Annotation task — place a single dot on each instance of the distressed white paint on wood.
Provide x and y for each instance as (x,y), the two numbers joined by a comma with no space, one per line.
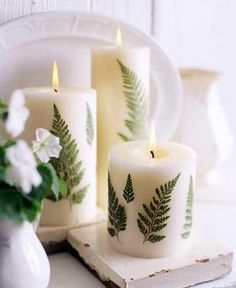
(155,25)
(203,261)
(11,9)
(135,12)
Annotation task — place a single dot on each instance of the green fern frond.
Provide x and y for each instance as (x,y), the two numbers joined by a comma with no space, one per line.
(3,109)
(89,126)
(66,165)
(154,218)
(78,196)
(188,212)
(135,95)
(128,193)
(116,212)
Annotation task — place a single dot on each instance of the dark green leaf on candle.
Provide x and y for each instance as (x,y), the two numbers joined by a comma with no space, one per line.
(116,212)
(155,215)
(111,231)
(89,126)
(68,168)
(136,102)
(188,212)
(128,193)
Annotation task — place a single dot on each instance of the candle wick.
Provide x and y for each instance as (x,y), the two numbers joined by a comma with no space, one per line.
(152,153)
(56,90)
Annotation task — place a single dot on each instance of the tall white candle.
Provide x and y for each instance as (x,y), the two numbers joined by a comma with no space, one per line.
(77,107)
(150,199)
(120,76)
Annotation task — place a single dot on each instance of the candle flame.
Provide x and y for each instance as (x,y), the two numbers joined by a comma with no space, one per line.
(153,144)
(118,37)
(55,78)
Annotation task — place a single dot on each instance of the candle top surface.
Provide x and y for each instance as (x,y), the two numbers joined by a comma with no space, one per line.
(120,48)
(43,91)
(137,154)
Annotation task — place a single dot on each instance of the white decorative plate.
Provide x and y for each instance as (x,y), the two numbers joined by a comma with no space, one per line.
(29,45)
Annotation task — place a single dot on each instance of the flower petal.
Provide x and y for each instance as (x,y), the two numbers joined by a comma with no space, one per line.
(22,170)
(36,178)
(42,155)
(54,151)
(42,134)
(17,99)
(53,140)
(17,114)
(36,145)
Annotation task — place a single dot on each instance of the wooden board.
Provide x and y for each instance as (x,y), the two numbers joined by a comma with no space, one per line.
(203,261)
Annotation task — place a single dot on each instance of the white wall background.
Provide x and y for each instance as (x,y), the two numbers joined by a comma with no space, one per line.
(202,33)
(198,33)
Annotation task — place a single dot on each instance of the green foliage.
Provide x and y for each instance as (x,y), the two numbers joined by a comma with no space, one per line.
(3,160)
(50,183)
(135,94)
(7,143)
(3,110)
(188,212)
(89,126)
(128,193)
(155,216)
(78,196)
(14,204)
(62,191)
(67,166)
(116,212)
(17,206)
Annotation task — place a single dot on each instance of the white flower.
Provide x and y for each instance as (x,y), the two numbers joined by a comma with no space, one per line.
(17,114)
(23,167)
(46,145)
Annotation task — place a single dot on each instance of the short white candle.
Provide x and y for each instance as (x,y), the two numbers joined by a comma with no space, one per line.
(137,225)
(74,104)
(115,121)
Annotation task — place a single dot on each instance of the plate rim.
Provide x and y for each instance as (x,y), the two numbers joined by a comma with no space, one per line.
(149,39)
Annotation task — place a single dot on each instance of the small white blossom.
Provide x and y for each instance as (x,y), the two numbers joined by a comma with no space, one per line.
(17,114)
(23,167)
(46,145)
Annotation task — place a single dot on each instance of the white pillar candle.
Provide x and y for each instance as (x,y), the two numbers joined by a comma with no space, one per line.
(120,76)
(150,199)
(77,107)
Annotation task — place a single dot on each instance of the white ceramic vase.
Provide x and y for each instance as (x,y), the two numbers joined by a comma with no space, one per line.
(203,126)
(23,261)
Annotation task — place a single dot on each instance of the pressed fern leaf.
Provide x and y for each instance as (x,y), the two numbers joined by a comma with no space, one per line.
(155,215)
(116,212)
(128,193)
(78,196)
(66,165)
(135,95)
(89,126)
(188,212)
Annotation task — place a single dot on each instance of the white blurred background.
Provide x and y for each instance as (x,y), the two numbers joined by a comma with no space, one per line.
(202,33)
